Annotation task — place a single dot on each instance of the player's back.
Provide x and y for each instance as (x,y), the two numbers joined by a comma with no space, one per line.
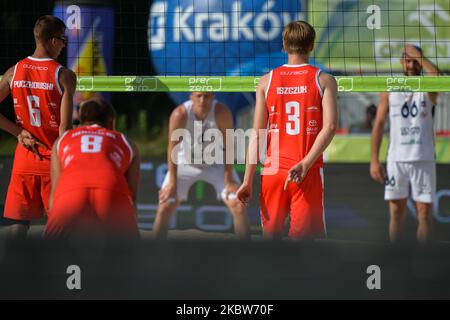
(37,99)
(294,106)
(94,157)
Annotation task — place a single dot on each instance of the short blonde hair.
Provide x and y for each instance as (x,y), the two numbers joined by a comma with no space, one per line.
(298,37)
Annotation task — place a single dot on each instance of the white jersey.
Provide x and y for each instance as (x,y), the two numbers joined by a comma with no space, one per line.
(411,127)
(192,153)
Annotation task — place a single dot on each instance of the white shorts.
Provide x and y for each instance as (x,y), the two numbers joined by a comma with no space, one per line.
(187,175)
(419,175)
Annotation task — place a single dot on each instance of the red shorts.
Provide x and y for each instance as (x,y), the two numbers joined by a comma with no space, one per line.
(29,188)
(304,204)
(91,211)
(28,196)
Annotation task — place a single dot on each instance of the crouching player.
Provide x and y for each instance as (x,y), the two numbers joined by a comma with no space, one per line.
(95,175)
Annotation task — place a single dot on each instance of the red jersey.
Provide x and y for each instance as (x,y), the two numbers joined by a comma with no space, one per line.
(37,99)
(294,106)
(94,157)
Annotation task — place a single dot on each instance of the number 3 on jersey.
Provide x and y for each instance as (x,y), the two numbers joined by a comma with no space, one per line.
(293,112)
(91,144)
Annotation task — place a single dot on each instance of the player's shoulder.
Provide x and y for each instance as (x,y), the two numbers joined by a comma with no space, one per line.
(8,75)
(222,109)
(66,74)
(130,143)
(179,113)
(264,81)
(327,81)
(326,78)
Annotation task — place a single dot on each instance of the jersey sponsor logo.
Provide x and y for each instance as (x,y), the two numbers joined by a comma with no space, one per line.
(293,73)
(406,131)
(273,128)
(53,123)
(273,112)
(312,130)
(33,85)
(98,133)
(292,90)
(313,123)
(116,158)
(68,160)
(39,68)
(312,109)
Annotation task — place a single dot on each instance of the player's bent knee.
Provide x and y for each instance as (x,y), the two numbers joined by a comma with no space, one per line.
(236,206)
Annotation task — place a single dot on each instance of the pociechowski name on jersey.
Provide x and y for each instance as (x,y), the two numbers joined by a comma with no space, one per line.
(292,90)
(33,85)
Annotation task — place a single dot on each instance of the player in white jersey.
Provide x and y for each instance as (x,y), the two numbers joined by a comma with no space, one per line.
(191,120)
(411,157)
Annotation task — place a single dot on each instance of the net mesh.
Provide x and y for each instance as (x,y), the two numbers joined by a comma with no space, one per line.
(218,45)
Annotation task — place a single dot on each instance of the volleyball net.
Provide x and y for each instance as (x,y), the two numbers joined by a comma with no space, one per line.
(225,46)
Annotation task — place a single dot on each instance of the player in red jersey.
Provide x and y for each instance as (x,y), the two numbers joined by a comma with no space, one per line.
(42,92)
(95,175)
(297,103)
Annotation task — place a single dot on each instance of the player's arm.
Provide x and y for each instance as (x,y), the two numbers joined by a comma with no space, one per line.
(376,169)
(5,90)
(55,171)
(133,174)
(429,67)
(24,137)
(432,70)
(326,134)
(224,120)
(177,121)
(68,83)
(259,122)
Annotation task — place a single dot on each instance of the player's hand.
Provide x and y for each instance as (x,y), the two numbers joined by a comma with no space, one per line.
(377,172)
(168,194)
(296,174)
(245,193)
(31,143)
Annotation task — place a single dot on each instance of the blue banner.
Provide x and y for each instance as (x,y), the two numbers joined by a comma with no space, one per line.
(90,31)
(216,37)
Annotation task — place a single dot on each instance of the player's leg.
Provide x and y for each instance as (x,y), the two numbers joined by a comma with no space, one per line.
(274,204)
(423,189)
(307,212)
(397,221)
(23,203)
(116,213)
(396,192)
(425,220)
(214,175)
(163,216)
(71,215)
(241,222)
(186,176)
(18,229)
